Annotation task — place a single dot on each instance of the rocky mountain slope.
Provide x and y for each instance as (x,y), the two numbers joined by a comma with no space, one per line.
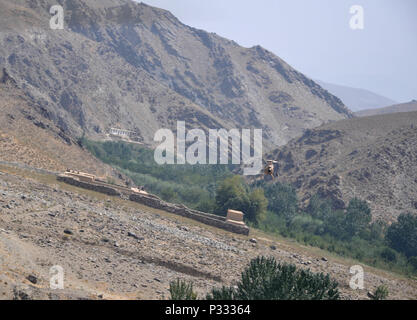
(402,107)
(110,248)
(28,138)
(372,158)
(357,99)
(124,64)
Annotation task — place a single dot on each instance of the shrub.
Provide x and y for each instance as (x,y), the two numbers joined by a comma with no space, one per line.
(319,208)
(265,279)
(358,217)
(413,262)
(232,194)
(389,255)
(402,235)
(282,200)
(181,290)
(334,224)
(381,293)
(257,206)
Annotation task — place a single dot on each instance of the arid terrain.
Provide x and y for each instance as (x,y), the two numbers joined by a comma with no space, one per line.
(126,64)
(123,64)
(115,249)
(372,158)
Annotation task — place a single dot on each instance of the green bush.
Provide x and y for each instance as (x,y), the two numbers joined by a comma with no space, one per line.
(181,290)
(233,194)
(389,255)
(282,199)
(402,235)
(257,206)
(413,262)
(319,208)
(381,293)
(358,217)
(265,279)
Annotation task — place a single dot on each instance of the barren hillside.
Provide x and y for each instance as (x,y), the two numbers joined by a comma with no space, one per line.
(28,138)
(372,158)
(125,64)
(115,249)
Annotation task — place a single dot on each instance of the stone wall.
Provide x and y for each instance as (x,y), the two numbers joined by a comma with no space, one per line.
(206,218)
(157,203)
(90,186)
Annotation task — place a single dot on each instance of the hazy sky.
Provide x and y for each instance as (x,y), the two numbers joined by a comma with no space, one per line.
(315,37)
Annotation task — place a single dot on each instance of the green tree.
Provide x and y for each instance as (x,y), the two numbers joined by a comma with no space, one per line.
(334,224)
(231,194)
(389,255)
(402,235)
(358,217)
(257,207)
(265,279)
(282,200)
(319,208)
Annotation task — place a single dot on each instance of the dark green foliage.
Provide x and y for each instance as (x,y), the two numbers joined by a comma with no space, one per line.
(214,189)
(233,194)
(224,293)
(358,217)
(265,279)
(402,235)
(319,208)
(181,290)
(377,231)
(413,262)
(381,293)
(282,199)
(257,206)
(194,186)
(323,227)
(389,255)
(334,224)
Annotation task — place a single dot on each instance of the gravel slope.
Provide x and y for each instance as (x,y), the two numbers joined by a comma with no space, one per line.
(114,249)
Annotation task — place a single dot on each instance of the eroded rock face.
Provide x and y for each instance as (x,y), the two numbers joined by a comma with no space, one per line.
(374,159)
(125,63)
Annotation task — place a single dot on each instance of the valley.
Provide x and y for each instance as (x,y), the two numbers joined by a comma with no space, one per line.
(109,93)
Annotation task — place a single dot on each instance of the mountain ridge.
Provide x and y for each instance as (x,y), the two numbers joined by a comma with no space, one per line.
(402,107)
(355,98)
(371,158)
(138,67)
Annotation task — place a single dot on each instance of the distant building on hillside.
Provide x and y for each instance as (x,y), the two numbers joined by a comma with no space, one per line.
(122,133)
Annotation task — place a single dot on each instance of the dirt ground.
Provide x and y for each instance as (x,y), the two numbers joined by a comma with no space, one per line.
(111,248)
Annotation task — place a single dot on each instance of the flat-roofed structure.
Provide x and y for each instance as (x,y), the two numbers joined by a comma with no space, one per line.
(81,176)
(121,133)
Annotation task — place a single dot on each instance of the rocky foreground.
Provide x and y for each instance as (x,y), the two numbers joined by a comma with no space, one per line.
(115,249)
